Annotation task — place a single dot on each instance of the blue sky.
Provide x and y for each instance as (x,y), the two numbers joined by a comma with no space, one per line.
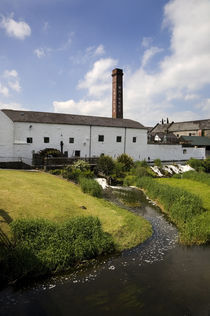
(57,56)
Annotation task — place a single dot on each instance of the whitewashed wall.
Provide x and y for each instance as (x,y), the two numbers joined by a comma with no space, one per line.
(6,137)
(85,139)
(173,152)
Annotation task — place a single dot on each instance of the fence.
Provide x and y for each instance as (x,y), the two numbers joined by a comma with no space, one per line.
(58,162)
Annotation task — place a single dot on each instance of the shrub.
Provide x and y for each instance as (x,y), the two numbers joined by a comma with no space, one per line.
(158,163)
(129,180)
(141,172)
(206,165)
(127,162)
(52,152)
(75,171)
(105,165)
(195,163)
(177,176)
(118,169)
(56,171)
(81,165)
(43,247)
(141,163)
(91,187)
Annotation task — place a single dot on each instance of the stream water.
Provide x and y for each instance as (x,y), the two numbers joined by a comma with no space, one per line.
(159,277)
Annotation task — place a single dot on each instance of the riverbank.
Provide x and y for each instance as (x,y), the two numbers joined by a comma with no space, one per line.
(37,195)
(186,203)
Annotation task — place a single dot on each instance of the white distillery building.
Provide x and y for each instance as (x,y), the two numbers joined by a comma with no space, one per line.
(23,133)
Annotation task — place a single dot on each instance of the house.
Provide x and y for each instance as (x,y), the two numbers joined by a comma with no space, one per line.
(187,128)
(23,133)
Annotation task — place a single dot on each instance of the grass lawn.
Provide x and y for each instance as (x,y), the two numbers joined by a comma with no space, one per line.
(26,194)
(195,187)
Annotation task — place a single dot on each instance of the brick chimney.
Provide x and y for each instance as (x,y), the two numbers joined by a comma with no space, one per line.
(117,93)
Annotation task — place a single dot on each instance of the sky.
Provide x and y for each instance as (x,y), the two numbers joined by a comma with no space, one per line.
(58,55)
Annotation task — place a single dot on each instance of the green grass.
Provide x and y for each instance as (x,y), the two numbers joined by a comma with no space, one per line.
(198,229)
(34,195)
(200,189)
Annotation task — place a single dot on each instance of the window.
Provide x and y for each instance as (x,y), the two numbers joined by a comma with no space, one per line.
(100,138)
(71,140)
(77,153)
(118,139)
(184,151)
(134,139)
(46,139)
(29,140)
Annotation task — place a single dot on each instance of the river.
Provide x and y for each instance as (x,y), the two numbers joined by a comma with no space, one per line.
(159,277)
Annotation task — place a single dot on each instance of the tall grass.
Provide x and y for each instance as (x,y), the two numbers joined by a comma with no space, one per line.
(43,247)
(197,176)
(90,186)
(183,208)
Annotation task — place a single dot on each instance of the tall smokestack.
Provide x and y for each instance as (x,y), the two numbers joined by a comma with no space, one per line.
(117,93)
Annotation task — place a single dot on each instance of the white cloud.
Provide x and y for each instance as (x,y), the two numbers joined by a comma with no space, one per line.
(39,52)
(90,54)
(149,53)
(83,107)
(4,90)
(146,42)
(15,29)
(99,50)
(97,80)
(15,85)
(10,73)
(10,81)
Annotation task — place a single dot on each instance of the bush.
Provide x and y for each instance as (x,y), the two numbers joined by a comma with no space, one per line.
(129,180)
(141,163)
(158,163)
(195,163)
(91,187)
(56,172)
(126,161)
(42,247)
(105,165)
(140,172)
(177,176)
(81,165)
(50,152)
(75,171)
(206,165)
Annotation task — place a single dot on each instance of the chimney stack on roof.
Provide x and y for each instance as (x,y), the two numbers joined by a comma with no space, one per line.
(117,93)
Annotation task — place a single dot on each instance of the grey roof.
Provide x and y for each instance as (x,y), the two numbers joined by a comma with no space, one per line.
(160,128)
(69,119)
(190,125)
(197,140)
(182,126)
